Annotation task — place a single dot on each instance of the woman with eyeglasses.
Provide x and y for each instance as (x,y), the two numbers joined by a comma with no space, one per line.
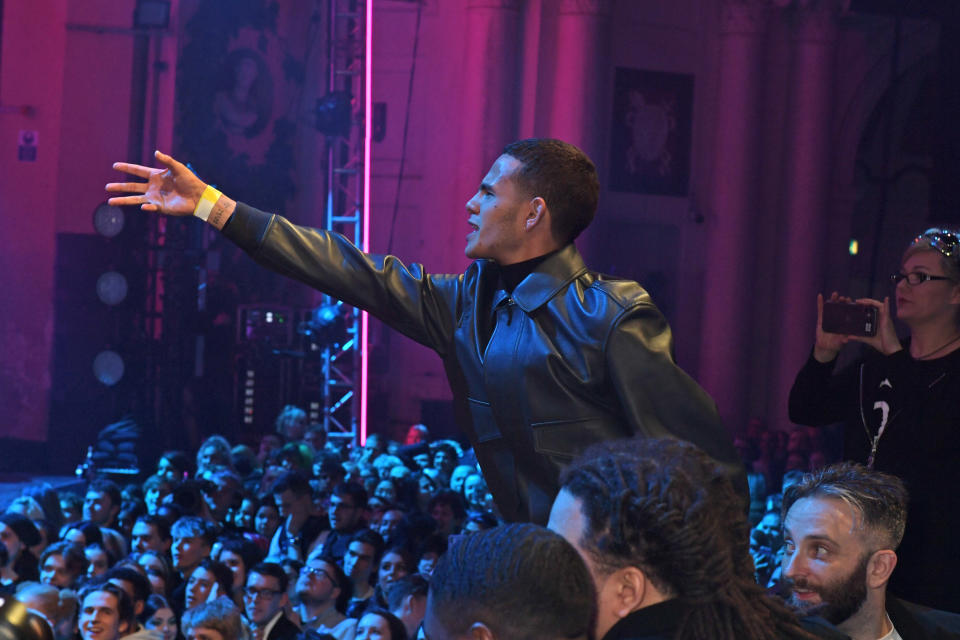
(900,406)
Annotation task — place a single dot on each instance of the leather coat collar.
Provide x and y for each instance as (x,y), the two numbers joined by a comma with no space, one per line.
(547,279)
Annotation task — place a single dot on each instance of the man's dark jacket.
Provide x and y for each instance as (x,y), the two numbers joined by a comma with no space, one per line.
(284,629)
(570,358)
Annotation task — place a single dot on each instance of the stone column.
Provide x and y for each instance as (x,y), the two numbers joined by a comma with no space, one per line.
(491,76)
(724,369)
(806,188)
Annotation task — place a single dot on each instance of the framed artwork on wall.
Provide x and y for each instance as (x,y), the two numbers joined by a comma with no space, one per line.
(652,128)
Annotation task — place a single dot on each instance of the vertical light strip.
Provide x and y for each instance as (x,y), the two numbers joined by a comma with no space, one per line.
(367,144)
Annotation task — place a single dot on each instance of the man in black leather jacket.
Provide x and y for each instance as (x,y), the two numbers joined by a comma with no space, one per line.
(544,356)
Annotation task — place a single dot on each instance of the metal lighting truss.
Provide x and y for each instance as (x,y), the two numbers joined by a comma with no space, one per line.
(343,363)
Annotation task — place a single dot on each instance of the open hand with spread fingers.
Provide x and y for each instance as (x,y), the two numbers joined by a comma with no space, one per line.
(173,189)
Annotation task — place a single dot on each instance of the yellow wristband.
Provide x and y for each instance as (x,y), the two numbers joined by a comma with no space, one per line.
(207,200)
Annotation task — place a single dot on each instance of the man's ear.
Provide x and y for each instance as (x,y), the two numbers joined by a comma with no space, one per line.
(480,631)
(628,591)
(879,568)
(538,213)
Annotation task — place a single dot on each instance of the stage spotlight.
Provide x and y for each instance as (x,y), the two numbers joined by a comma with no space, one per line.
(108,367)
(326,325)
(108,220)
(111,288)
(333,114)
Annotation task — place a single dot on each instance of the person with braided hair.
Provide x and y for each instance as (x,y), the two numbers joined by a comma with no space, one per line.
(666,538)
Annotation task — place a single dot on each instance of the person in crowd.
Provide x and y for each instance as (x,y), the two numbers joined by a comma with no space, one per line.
(359,563)
(151,532)
(406,598)
(214,452)
(62,565)
(218,619)
(82,533)
(899,403)
(155,489)
(192,542)
(245,515)
(265,597)
(222,492)
(324,591)
(316,437)
(291,423)
(17,535)
(527,279)
(158,570)
(106,612)
(136,586)
(71,506)
(102,503)
(513,581)
(380,624)
(665,536)
(267,519)
(209,579)
(347,504)
(459,476)
(99,559)
(299,531)
(175,466)
(391,524)
(58,606)
(842,526)
(238,554)
(159,616)
(447,509)
(395,563)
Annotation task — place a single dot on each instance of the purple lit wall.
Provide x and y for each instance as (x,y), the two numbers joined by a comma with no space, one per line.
(782,98)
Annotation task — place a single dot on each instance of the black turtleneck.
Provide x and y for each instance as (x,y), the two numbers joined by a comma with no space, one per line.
(513,274)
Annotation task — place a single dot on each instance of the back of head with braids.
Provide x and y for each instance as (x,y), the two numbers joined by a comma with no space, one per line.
(665,507)
(522,581)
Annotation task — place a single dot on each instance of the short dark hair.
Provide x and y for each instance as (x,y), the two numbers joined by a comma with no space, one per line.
(248,550)
(564,177)
(450,498)
(372,538)
(294,481)
(273,570)
(397,629)
(161,524)
(521,580)
(221,572)
(154,603)
(180,460)
(342,581)
(73,558)
(139,582)
(354,490)
(879,500)
(102,485)
(665,507)
(395,592)
(124,603)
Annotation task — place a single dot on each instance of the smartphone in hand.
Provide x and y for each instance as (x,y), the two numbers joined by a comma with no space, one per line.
(849,319)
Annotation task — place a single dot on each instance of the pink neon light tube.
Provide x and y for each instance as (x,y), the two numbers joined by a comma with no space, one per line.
(367,144)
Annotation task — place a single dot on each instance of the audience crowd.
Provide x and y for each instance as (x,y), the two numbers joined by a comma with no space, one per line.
(310,538)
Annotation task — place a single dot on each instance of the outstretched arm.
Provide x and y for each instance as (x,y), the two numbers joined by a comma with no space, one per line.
(173,189)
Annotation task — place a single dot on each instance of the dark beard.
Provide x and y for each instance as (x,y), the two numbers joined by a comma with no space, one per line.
(840,599)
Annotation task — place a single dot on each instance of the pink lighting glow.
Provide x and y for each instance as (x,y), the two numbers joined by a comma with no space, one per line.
(367,143)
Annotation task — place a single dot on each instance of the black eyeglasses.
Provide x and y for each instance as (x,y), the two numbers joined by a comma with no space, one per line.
(253,594)
(943,240)
(914,278)
(317,572)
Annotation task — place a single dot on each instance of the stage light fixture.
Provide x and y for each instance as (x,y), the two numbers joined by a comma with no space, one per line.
(333,114)
(108,220)
(108,367)
(111,288)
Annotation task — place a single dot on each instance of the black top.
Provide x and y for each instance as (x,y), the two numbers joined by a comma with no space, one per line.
(916,403)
